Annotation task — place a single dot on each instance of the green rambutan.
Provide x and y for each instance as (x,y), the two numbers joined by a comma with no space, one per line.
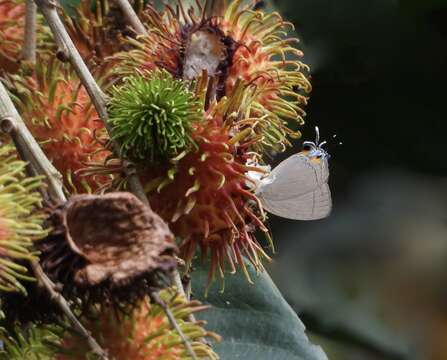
(20,221)
(58,112)
(31,342)
(146,334)
(152,116)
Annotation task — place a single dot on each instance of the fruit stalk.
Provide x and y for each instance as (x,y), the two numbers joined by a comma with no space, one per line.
(159,301)
(131,17)
(29,46)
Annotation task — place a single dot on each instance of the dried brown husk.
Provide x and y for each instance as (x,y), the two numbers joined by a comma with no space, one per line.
(106,248)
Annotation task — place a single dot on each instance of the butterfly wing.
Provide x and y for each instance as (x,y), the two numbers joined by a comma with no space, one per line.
(298,189)
(313,205)
(295,176)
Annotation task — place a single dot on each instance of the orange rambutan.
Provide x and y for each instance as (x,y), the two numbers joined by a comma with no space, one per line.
(261,58)
(57,110)
(146,334)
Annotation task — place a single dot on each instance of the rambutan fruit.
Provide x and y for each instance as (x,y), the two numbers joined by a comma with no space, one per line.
(185,49)
(261,58)
(146,334)
(20,220)
(203,195)
(106,249)
(58,112)
(32,342)
(152,116)
(243,45)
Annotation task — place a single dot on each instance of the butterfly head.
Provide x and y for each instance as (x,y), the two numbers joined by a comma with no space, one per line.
(314,150)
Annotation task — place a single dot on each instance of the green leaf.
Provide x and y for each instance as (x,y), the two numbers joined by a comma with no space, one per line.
(255,321)
(70,6)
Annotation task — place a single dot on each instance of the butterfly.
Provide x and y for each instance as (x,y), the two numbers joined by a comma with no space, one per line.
(298,187)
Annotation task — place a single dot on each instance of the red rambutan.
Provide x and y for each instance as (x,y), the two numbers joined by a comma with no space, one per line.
(203,195)
(162,47)
(12,31)
(58,112)
(261,56)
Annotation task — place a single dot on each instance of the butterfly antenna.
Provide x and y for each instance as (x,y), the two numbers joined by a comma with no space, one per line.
(317,135)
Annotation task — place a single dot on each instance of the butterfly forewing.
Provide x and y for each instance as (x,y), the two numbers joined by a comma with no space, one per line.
(294,177)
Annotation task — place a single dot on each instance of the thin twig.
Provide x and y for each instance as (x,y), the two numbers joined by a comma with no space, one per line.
(29,150)
(29,46)
(45,281)
(159,301)
(131,17)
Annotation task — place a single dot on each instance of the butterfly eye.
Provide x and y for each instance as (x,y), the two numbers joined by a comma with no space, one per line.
(307,147)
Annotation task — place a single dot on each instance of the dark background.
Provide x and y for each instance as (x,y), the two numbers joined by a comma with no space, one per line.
(369,282)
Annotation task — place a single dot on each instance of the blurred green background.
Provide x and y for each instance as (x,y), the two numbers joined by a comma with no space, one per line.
(368,282)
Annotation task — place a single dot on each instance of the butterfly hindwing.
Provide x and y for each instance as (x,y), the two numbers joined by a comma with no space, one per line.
(313,205)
